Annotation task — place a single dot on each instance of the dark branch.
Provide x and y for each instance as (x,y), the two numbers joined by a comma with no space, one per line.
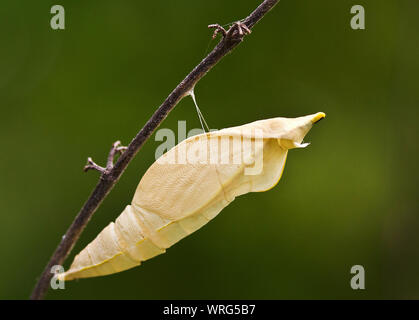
(111,174)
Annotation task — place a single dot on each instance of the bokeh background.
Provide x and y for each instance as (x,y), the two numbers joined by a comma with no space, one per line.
(350,198)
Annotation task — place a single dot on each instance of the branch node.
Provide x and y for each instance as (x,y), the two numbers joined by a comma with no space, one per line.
(237,31)
(116,149)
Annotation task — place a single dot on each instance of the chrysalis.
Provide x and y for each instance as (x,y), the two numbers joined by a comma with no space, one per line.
(187,187)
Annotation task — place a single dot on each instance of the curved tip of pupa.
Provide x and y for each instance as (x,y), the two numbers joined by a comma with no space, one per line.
(317,117)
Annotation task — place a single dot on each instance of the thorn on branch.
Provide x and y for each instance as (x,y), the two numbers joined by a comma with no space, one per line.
(116,149)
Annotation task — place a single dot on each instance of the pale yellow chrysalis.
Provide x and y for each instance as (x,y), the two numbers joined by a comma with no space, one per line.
(187,187)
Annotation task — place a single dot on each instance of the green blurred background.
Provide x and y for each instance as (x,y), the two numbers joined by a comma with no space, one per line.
(350,198)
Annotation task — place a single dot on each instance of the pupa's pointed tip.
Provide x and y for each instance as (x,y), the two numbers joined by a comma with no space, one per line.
(318,116)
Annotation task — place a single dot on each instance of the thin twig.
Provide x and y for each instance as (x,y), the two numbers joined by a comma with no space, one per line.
(91,165)
(116,148)
(111,174)
(218,29)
